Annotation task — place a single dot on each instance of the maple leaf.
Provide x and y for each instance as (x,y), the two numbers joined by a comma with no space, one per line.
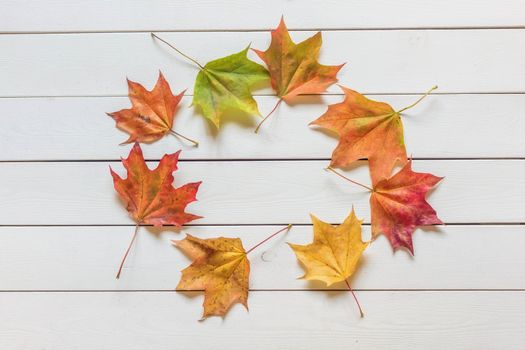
(334,253)
(149,195)
(293,68)
(221,268)
(224,85)
(366,129)
(398,205)
(152,112)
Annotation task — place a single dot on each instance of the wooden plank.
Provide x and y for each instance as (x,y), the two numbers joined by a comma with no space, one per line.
(78,128)
(398,61)
(277,320)
(99,15)
(86,258)
(268,192)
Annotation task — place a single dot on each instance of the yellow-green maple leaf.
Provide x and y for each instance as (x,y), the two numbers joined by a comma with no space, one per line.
(225,85)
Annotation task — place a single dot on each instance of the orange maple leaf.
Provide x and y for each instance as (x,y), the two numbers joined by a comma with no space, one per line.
(398,205)
(152,112)
(293,68)
(366,129)
(149,195)
(221,268)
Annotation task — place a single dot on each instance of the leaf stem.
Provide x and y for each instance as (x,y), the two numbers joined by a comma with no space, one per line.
(268,115)
(268,238)
(127,250)
(174,48)
(173,132)
(346,178)
(355,298)
(419,100)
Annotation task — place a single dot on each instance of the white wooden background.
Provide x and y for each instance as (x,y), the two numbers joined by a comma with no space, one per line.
(63,230)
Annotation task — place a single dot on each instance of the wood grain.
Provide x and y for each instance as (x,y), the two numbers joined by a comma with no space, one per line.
(277,320)
(99,15)
(401,61)
(255,192)
(86,258)
(76,128)
(63,65)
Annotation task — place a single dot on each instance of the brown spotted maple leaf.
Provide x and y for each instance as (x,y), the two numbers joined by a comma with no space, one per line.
(221,268)
(152,112)
(149,195)
(293,68)
(366,129)
(398,205)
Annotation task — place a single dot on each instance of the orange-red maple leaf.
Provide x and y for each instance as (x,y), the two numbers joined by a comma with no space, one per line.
(366,129)
(293,68)
(398,206)
(152,112)
(149,195)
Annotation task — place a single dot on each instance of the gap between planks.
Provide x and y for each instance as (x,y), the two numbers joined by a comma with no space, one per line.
(291,29)
(255,225)
(269,95)
(245,160)
(313,290)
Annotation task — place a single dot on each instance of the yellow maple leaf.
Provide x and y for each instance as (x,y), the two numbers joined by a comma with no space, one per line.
(334,253)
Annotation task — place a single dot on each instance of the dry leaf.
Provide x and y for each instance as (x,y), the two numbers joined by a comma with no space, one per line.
(152,112)
(398,206)
(149,195)
(366,129)
(293,68)
(335,251)
(220,267)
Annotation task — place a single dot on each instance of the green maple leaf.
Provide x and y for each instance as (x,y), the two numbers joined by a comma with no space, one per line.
(225,85)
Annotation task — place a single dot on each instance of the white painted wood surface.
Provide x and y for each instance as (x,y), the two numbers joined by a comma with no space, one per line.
(433,130)
(101,15)
(396,61)
(262,192)
(277,320)
(86,258)
(63,230)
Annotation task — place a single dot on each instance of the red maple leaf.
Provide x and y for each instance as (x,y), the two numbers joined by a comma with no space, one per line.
(149,195)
